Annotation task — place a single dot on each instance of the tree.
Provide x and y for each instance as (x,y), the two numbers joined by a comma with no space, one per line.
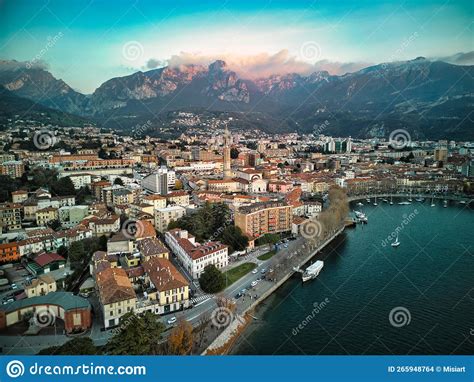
(54,224)
(118,181)
(136,335)
(76,346)
(234,153)
(63,187)
(77,254)
(178,185)
(212,280)
(233,237)
(62,251)
(181,338)
(203,323)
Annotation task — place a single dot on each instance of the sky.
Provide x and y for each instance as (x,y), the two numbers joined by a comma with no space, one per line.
(87,42)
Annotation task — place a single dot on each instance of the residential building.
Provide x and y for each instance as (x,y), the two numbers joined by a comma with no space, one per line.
(46,215)
(193,256)
(165,216)
(9,252)
(160,182)
(40,286)
(165,285)
(116,295)
(10,216)
(262,218)
(13,169)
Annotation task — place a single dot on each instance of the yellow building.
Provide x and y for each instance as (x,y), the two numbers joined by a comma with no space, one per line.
(116,294)
(41,286)
(169,288)
(46,215)
(262,218)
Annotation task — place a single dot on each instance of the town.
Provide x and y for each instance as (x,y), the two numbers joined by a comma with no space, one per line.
(104,234)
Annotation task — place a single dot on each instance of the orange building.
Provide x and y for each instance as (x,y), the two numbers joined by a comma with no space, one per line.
(9,252)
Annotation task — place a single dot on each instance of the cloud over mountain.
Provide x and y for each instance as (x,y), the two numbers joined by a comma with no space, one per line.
(263,64)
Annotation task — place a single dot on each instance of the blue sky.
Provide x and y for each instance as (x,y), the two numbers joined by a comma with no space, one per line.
(86,42)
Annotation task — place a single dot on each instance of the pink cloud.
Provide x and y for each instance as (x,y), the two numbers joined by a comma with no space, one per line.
(265,64)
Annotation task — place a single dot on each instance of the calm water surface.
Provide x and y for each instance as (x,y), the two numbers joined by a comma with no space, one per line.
(427,282)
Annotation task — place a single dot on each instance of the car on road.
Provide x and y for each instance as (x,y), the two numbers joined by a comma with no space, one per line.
(263,271)
(14,286)
(238,295)
(171,320)
(254,283)
(243,291)
(286,245)
(255,271)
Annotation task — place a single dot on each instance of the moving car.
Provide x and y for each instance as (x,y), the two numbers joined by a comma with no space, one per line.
(171,320)
(254,283)
(255,271)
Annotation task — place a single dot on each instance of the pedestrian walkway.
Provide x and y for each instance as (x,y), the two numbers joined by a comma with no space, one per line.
(201,298)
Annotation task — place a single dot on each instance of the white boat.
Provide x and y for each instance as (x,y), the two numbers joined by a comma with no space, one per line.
(462,202)
(432,202)
(396,243)
(359,204)
(391,200)
(360,216)
(367,200)
(404,203)
(313,270)
(445,204)
(375,201)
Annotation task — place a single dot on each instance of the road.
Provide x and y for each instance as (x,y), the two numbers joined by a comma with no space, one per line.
(33,344)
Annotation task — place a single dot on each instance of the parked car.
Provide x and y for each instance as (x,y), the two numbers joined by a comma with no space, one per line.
(254,283)
(171,320)
(238,295)
(263,271)
(255,271)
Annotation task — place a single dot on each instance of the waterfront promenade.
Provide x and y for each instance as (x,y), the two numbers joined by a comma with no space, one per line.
(458,198)
(284,269)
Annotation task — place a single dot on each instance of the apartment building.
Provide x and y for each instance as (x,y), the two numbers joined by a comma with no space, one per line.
(10,216)
(13,169)
(46,215)
(261,218)
(165,216)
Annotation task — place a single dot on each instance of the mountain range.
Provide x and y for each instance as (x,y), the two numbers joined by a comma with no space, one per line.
(431,99)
